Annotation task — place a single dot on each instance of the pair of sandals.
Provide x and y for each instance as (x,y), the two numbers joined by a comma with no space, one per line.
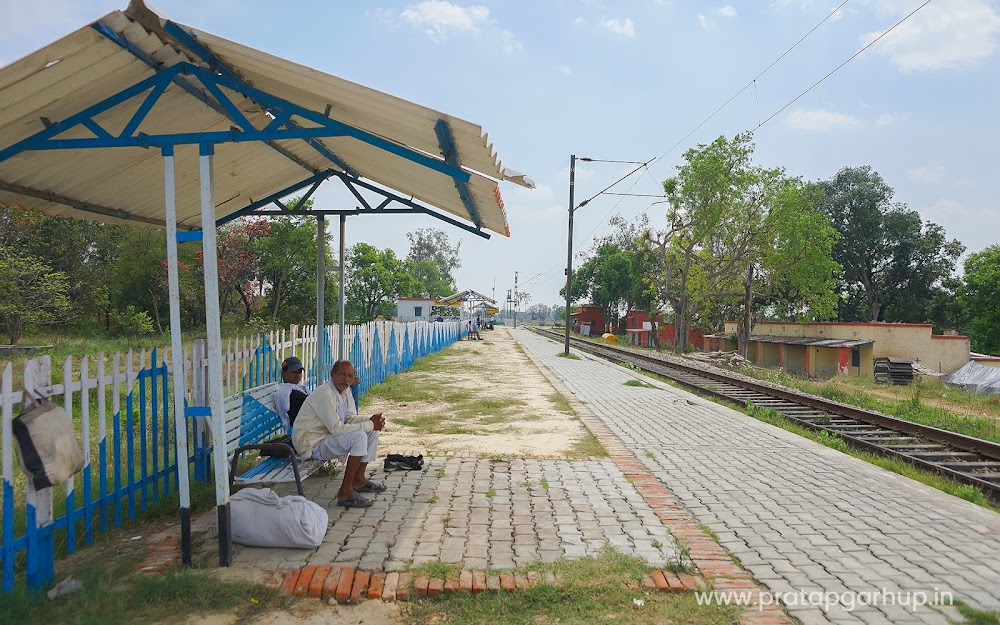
(356,500)
(394,462)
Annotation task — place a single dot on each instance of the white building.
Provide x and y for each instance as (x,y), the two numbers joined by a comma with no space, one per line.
(414,308)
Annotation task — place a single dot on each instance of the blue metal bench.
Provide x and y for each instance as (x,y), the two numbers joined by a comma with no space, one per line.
(252,424)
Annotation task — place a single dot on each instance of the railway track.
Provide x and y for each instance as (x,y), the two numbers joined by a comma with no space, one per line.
(964,458)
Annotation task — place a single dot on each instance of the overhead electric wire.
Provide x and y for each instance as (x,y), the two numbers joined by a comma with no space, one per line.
(753,82)
(646,164)
(836,69)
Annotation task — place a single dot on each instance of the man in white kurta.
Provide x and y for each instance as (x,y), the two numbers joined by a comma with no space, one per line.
(328,426)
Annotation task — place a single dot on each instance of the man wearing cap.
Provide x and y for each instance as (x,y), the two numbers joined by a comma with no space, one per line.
(328,427)
(291,380)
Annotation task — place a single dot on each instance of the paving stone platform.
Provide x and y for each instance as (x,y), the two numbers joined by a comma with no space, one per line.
(480,513)
(800,517)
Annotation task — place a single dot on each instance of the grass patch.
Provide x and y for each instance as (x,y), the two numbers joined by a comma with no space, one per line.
(571,355)
(974,616)
(586,446)
(639,383)
(436,570)
(544,483)
(708,530)
(680,561)
(113,595)
(593,590)
(952,487)
(491,492)
(489,407)
(561,403)
(434,424)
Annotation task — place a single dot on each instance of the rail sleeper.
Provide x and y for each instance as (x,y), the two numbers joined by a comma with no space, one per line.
(252,424)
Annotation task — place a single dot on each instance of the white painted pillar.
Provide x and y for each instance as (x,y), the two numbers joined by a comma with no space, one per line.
(177,354)
(213,330)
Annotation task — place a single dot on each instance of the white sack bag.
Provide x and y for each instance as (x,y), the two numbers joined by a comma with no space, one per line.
(260,518)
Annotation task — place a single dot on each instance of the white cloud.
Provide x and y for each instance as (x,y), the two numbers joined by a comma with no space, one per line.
(947,209)
(510,42)
(727,10)
(564,69)
(926,173)
(945,34)
(887,119)
(438,17)
(703,21)
(625,28)
(578,21)
(820,120)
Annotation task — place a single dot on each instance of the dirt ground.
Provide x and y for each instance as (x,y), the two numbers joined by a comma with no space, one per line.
(493,369)
(311,612)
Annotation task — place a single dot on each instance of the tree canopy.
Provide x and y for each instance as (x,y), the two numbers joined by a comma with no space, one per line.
(893,262)
(433,260)
(980,298)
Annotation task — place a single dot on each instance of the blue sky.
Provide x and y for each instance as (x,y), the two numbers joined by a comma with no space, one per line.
(629,80)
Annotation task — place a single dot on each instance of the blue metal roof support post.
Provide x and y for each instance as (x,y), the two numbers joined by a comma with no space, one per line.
(214,334)
(447,142)
(177,354)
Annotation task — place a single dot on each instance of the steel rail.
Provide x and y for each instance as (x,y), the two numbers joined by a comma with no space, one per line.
(966,459)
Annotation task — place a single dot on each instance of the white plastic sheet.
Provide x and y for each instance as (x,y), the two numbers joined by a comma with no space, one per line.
(976,378)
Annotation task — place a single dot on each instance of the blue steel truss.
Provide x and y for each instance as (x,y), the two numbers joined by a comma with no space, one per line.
(244,131)
(281,127)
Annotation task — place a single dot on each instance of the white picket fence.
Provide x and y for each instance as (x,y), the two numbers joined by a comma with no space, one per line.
(123,408)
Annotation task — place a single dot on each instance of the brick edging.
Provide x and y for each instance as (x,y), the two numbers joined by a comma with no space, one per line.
(711,560)
(348,585)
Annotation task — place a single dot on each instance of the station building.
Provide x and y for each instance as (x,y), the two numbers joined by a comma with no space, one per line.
(588,321)
(826,349)
(639,327)
(414,308)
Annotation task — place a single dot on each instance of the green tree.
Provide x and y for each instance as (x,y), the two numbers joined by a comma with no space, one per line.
(706,242)
(433,261)
(376,278)
(789,268)
(980,299)
(86,252)
(893,263)
(288,270)
(30,293)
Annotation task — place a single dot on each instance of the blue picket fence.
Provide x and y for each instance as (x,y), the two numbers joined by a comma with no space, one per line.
(129,447)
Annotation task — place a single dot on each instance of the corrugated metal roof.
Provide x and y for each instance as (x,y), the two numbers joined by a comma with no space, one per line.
(126,183)
(810,341)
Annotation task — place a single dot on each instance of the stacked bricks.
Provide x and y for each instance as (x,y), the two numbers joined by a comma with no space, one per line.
(347,585)
(161,556)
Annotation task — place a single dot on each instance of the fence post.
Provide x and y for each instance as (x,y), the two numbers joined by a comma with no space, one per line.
(199,397)
(41,543)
